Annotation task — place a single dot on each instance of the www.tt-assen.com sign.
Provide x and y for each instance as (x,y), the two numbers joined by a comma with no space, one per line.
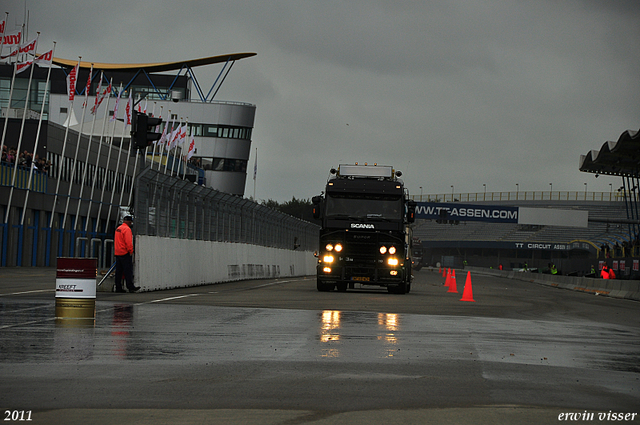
(467,212)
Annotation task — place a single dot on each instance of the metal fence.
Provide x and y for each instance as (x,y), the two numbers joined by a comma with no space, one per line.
(168,207)
(613,196)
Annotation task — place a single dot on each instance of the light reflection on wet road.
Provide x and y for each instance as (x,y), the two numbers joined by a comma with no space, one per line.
(192,334)
(191,356)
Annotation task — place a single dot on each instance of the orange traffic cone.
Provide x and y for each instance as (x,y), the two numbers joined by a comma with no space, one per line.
(444,274)
(467,295)
(446,281)
(452,282)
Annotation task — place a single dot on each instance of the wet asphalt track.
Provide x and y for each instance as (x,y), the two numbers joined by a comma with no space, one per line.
(278,351)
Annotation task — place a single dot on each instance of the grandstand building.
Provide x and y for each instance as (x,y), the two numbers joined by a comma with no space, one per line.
(86,169)
(486,244)
(611,235)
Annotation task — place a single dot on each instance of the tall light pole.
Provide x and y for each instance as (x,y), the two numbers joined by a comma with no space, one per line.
(420,193)
(517,191)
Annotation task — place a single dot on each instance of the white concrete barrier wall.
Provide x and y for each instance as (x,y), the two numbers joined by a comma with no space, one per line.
(164,263)
(617,288)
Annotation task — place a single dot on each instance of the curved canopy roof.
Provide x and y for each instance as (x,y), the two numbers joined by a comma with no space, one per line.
(621,158)
(154,67)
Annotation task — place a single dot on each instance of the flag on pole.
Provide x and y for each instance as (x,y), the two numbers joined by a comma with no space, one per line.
(192,148)
(163,136)
(174,137)
(28,47)
(128,111)
(100,95)
(71,82)
(115,107)
(45,58)
(22,66)
(12,39)
(255,166)
(183,135)
(88,88)
(22,49)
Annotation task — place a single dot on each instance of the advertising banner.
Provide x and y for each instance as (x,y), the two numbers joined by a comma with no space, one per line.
(466,212)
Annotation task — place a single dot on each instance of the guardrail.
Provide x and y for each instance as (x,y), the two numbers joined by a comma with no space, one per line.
(522,196)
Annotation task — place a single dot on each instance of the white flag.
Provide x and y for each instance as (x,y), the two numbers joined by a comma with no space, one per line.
(115,107)
(45,58)
(174,136)
(192,148)
(12,39)
(128,111)
(183,135)
(71,82)
(22,66)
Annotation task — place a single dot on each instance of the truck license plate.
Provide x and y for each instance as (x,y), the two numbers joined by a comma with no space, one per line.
(361,278)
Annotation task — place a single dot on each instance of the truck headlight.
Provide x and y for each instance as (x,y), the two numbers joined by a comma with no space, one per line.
(338,247)
(329,247)
(383,250)
(392,261)
(392,250)
(329,259)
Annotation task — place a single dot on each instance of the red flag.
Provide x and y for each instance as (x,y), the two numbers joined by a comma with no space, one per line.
(71,82)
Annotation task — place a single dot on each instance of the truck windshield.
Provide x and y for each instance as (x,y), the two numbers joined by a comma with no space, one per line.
(365,207)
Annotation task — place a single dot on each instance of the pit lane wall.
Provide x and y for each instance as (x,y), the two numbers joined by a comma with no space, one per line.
(626,289)
(165,263)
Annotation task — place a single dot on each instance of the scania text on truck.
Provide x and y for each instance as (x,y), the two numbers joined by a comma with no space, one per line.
(365,238)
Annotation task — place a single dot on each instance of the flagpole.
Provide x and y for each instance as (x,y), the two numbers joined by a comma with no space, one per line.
(6,119)
(35,148)
(75,157)
(110,143)
(24,117)
(4,30)
(86,158)
(95,171)
(183,155)
(168,147)
(162,146)
(115,180)
(126,167)
(255,173)
(60,165)
(155,142)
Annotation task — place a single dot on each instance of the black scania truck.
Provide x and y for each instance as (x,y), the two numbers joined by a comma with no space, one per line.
(365,237)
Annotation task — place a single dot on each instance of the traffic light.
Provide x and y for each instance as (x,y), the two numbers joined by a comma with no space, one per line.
(143,129)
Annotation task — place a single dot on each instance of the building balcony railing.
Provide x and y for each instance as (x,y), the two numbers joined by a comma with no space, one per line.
(38,181)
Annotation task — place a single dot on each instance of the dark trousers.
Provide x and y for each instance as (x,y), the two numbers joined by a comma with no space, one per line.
(124,266)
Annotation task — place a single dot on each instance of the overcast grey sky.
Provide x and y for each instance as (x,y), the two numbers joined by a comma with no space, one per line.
(453,93)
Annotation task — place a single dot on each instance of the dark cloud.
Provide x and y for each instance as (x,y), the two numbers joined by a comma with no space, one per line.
(459,93)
